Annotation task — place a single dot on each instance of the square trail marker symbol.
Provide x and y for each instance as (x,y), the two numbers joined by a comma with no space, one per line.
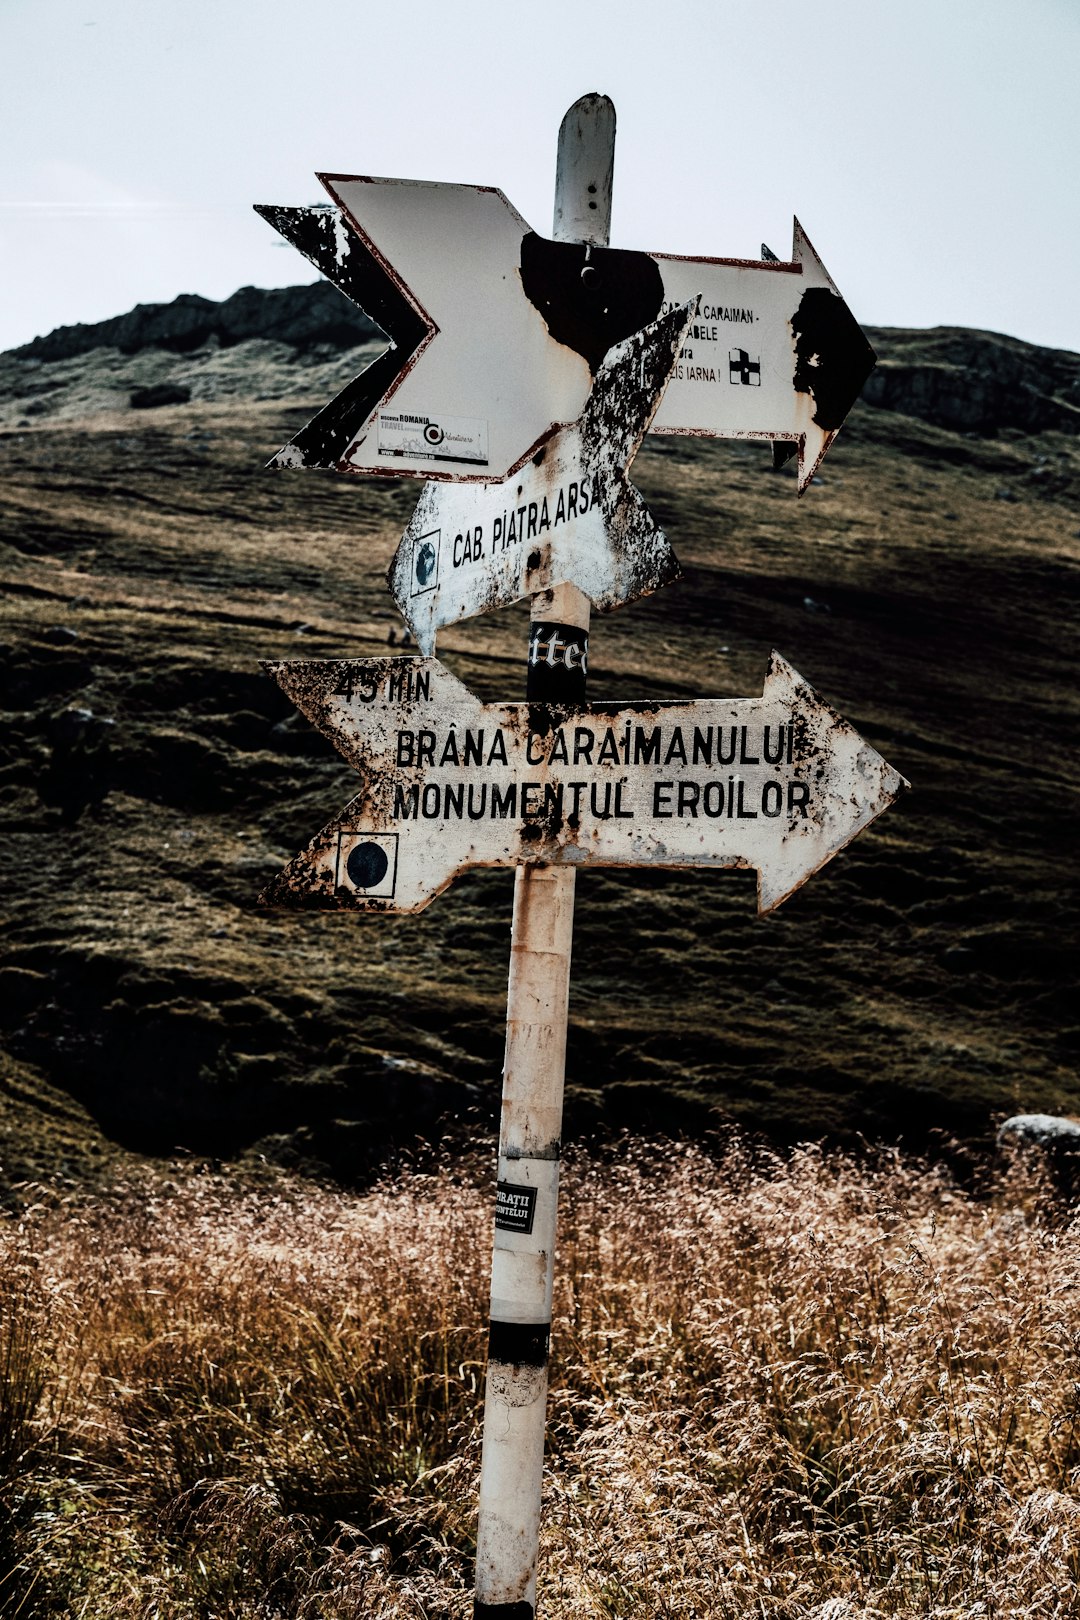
(367,863)
(425,562)
(744,368)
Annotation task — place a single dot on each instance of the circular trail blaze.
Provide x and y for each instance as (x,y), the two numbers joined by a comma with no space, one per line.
(367,865)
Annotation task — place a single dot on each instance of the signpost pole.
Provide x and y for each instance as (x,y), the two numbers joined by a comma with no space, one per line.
(530,1136)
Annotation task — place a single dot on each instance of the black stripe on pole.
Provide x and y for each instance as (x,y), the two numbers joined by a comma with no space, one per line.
(503,1611)
(519,1344)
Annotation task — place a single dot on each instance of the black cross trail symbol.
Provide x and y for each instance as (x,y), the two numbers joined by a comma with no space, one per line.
(741,369)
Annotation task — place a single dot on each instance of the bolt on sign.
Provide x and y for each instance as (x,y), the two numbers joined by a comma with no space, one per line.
(568,515)
(496,334)
(779,783)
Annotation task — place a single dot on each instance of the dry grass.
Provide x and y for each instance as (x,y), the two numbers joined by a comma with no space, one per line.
(813,1388)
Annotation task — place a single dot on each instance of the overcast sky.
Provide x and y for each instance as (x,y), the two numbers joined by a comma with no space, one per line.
(929,147)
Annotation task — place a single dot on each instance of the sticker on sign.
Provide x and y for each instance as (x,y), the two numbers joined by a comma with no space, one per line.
(515,1207)
(443,438)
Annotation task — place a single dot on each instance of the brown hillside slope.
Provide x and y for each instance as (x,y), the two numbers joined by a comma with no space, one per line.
(152,778)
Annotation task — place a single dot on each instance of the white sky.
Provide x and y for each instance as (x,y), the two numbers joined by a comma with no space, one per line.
(929,147)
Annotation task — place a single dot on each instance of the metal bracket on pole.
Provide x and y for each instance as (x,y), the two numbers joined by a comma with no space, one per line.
(530,1138)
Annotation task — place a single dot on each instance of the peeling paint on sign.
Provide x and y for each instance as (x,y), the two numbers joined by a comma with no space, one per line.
(779,783)
(569,514)
(823,325)
(325,236)
(500,326)
(590,297)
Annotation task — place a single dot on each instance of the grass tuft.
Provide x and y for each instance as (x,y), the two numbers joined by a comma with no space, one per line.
(815,1386)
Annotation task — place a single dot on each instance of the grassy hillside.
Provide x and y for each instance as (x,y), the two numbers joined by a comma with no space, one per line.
(785,1384)
(152,778)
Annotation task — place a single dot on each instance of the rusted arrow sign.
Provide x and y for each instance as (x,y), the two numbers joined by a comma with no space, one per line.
(324,236)
(570,514)
(498,333)
(780,783)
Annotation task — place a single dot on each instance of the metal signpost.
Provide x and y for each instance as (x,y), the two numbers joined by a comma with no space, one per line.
(528,370)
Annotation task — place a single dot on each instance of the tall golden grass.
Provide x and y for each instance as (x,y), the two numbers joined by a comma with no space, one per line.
(812,1387)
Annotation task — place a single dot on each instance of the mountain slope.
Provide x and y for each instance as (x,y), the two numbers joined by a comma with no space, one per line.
(152,778)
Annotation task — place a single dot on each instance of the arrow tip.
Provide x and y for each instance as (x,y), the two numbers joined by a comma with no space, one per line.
(857,785)
(833,358)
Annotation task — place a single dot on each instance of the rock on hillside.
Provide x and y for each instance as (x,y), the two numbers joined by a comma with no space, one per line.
(256,345)
(975,382)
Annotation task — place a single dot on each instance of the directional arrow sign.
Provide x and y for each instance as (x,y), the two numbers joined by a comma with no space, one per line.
(569,514)
(735,377)
(499,332)
(780,783)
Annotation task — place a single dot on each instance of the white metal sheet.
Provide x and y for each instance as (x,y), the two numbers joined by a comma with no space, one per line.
(502,332)
(490,357)
(779,783)
(735,376)
(569,514)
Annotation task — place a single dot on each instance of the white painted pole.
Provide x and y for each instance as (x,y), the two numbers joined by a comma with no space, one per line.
(530,1138)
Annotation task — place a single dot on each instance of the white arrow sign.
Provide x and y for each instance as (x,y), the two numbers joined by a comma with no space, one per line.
(500,331)
(780,783)
(569,514)
(735,378)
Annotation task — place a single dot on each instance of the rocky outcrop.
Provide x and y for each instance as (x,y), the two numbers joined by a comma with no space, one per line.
(974,382)
(300,316)
(147,399)
(1043,1130)
(1052,1141)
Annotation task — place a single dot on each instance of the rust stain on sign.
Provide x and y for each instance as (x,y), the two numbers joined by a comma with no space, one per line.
(570,514)
(780,783)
